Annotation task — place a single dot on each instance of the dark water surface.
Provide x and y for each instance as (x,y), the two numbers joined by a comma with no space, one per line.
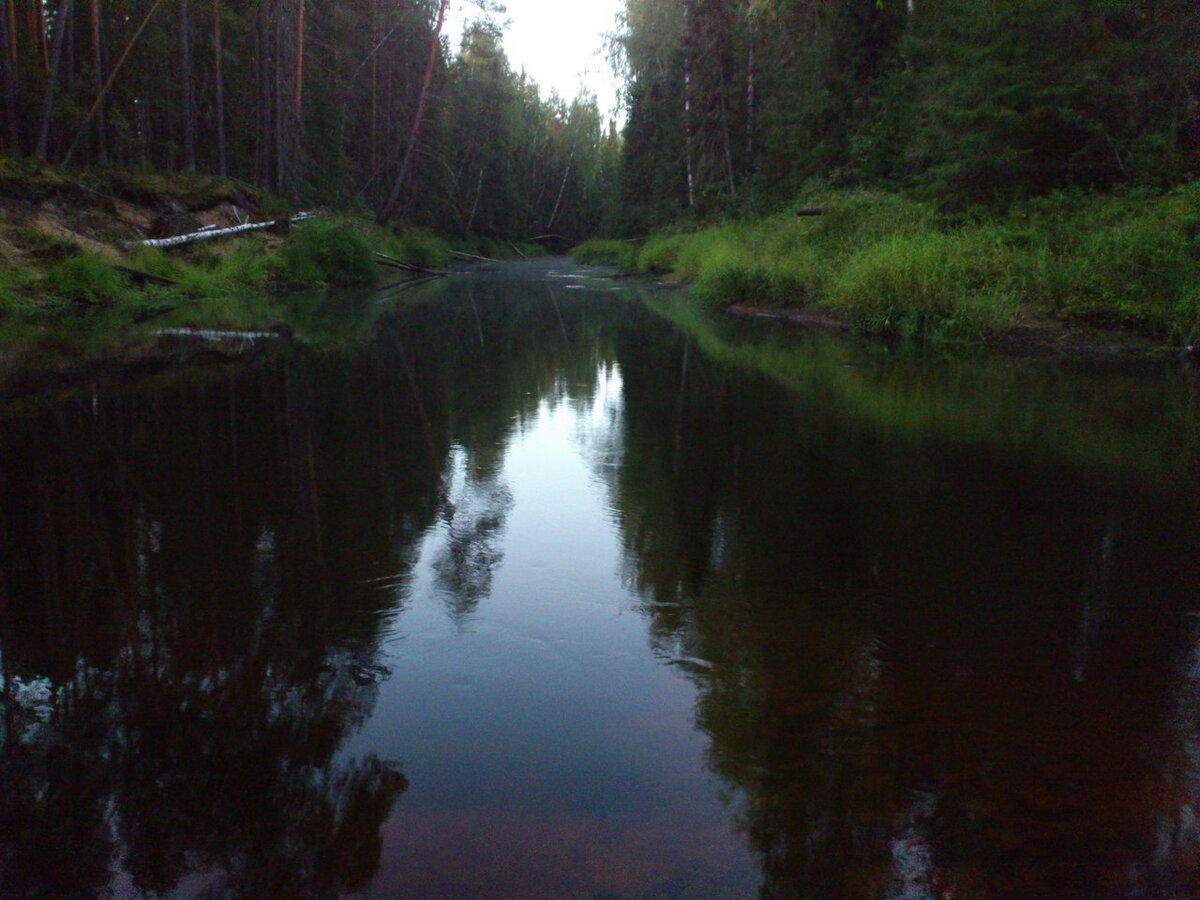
(534,585)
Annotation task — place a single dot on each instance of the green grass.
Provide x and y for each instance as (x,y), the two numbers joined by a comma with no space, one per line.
(85,279)
(621,254)
(892,265)
(328,251)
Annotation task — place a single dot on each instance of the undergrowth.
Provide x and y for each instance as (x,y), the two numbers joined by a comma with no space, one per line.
(893,265)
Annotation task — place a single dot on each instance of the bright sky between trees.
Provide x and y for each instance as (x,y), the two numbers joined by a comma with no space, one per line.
(560,43)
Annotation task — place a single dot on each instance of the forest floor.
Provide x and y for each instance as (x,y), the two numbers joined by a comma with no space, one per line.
(1074,272)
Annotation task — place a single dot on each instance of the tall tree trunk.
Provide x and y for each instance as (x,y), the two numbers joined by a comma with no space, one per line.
(219,84)
(750,101)
(40,8)
(98,74)
(189,104)
(386,211)
(374,86)
(264,170)
(562,189)
(687,108)
(475,205)
(280,100)
(142,122)
(60,34)
(10,8)
(8,77)
(298,96)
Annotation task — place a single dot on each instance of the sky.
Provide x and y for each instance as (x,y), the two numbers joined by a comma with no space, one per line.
(560,43)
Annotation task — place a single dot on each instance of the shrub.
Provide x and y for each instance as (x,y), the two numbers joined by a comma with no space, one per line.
(328,252)
(621,254)
(88,278)
(423,248)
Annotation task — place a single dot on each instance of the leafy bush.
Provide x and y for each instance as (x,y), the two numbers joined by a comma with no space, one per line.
(327,252)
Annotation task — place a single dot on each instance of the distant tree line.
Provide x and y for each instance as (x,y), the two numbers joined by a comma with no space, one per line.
(359,102)
(736,104)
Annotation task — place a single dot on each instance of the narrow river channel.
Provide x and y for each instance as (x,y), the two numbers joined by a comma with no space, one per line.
(533,583)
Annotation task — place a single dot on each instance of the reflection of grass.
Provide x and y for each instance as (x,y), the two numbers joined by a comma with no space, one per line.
(993,402)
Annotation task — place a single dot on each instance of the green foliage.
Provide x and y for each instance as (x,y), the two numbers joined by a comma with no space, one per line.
(931,282)
(244,267)
(890,265)
(422,248)
(85,279)
(621,254)
(324,251)
(735,107)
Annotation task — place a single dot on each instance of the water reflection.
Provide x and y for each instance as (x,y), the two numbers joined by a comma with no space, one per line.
(934,618)
(924,668)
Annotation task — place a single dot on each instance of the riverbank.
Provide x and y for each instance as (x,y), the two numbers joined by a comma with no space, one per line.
(77,288)
(881,263)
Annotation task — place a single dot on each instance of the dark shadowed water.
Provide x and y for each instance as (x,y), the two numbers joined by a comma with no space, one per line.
(538,585)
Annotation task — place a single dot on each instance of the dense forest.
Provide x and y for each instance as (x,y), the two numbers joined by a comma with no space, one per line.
(350,104)
(736,105)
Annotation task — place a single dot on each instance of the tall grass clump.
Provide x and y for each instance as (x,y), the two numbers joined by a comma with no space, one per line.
(329,252)
(422,248)
(245,267)
(928,283)
(85,279)
(621,254)
(658,254)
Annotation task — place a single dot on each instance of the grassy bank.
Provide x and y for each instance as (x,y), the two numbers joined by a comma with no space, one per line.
(71,273)
(889,264)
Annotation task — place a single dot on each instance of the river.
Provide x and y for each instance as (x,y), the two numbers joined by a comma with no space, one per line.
(531,583)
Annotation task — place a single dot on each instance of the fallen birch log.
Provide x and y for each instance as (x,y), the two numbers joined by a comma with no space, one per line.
(392,263)
(210,233)
(209,335)
(471,257)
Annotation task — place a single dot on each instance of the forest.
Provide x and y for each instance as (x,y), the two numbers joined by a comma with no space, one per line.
(358,105)
(962,168)
(978,163)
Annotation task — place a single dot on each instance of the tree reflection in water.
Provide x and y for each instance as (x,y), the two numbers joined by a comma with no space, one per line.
(937,631)
(183,657)
(884,628)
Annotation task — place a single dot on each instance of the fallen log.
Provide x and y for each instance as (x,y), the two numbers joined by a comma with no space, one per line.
(392,263)
(812,211)
(521,253)
(143,277)
(471,257)
(209,233)
(394,290)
